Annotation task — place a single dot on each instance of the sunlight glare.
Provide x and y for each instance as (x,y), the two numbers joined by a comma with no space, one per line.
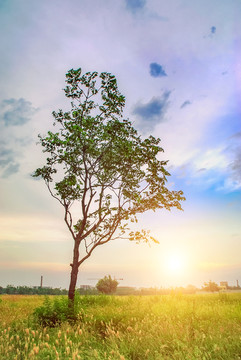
(175,263)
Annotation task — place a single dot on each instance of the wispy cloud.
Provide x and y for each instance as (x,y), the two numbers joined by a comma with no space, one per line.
(53,231)
(213,266)
(135,5)
(186,103)
(8,163)
(211,33)
(156,70)
(28,265)
(235,164)
(153,112)
(213,30)
(11,169)
(6,156)
(218,167)
(16,112)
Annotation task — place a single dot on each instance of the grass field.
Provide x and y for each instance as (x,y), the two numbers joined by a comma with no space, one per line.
(132,327)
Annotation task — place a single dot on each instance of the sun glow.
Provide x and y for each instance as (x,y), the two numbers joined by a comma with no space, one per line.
(175,263)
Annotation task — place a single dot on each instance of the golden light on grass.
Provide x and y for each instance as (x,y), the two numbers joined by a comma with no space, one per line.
(148,324)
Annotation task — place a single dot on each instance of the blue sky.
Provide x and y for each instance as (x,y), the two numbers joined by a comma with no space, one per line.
(178,64)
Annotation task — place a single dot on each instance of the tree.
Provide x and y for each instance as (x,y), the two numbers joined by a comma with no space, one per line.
(99,169)
(107,285)
(210,286)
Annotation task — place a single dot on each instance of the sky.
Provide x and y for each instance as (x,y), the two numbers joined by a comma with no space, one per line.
(178,64)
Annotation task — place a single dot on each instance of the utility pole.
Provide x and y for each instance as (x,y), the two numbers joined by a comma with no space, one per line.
(41,281)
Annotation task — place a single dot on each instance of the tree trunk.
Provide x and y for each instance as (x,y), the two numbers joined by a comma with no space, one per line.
(74,273)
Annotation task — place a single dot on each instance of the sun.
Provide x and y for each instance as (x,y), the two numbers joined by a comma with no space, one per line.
(175,263)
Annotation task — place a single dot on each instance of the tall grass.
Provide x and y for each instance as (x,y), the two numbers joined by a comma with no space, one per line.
(127,328)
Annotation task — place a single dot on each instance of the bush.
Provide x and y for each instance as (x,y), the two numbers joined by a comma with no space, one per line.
(54,312)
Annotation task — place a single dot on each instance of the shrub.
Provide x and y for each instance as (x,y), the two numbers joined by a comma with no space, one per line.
(54,312)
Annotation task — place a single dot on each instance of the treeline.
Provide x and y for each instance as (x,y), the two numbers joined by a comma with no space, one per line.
(28,290)
(122,290)
(166,291)
(128,290)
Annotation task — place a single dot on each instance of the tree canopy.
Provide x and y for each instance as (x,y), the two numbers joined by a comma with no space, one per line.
(210,286)
(97,160)
(107,285)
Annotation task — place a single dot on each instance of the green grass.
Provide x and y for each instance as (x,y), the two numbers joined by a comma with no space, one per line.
(205,327)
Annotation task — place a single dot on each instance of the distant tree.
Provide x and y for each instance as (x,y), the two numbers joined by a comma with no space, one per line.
(10,289)
(100,170)
(24,290)
(107,285)
(210,286)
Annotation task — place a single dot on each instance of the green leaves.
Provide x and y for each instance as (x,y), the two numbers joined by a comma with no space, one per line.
(68,189)
(97,160)
(45,172)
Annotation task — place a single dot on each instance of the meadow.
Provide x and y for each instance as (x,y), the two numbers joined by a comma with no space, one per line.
(205,327)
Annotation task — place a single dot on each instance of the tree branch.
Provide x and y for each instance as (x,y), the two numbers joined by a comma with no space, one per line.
(69,223)
(51,193)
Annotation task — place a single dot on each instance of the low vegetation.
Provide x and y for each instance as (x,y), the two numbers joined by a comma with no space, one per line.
(176,326)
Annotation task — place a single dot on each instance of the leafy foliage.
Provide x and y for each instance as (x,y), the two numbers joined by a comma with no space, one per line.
(107,285)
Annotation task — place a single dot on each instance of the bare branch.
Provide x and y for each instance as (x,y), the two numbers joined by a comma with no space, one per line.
(51,193)
(69,222)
